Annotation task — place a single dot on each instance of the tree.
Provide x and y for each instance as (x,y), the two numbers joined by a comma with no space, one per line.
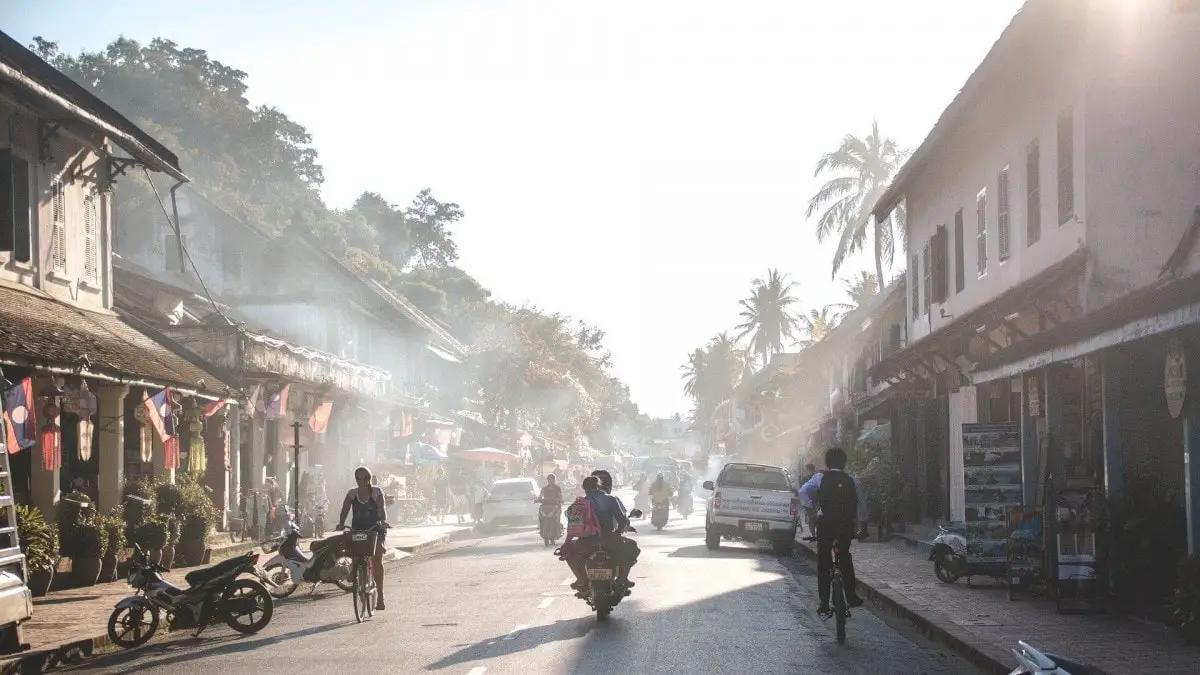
(859,289)
(710,376)
(768,316)
(816,325)
(862,169)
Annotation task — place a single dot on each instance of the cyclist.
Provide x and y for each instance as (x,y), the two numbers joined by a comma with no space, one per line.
(840,501)
(370,509)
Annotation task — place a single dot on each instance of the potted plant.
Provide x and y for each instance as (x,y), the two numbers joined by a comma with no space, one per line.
(91,542)
(152,537)
(168,549)
(39,543)
(114,528)
(198,517)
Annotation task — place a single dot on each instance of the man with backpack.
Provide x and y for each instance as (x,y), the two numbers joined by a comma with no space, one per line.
(592,520)
(841,505)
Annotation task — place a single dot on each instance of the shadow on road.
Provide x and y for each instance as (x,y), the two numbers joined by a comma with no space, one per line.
(702,551)
(529,638)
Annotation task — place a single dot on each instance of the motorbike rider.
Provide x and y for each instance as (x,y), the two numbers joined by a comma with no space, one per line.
(612,521)
(551,492)
(660,491)
(841,503)
(629,550)
(370,509)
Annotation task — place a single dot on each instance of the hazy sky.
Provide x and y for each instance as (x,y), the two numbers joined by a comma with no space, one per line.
(635,164)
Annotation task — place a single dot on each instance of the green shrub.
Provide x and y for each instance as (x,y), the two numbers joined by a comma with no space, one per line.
(114,527)
(91,541)
(72,517)
(151,535)
(39,541)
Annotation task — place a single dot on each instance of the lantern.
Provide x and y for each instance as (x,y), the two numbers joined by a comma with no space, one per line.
(51,436)
(146,435)
(85,406)
(197,462)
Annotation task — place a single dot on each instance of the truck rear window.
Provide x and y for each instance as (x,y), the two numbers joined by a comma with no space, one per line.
(511,489)
(755,479)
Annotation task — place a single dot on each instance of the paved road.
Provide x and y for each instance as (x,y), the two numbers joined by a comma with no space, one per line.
(501,605)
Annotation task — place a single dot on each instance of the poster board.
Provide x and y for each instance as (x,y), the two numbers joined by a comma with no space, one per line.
(992,483)
(1026,550)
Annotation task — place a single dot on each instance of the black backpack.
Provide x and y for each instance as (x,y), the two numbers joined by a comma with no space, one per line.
(838,499)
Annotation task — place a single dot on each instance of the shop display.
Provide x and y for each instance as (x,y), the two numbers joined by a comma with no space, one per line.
(992,467)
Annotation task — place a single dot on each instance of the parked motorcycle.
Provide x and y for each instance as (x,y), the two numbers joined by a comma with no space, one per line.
(658,516)
(289,567)
(950,562)
(214,594)
(550,521)
(685,504)
(1030,661)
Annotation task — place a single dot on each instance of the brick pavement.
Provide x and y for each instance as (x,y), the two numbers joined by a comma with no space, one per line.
(982,623)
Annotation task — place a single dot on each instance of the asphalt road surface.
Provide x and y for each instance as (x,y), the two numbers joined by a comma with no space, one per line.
(502,605)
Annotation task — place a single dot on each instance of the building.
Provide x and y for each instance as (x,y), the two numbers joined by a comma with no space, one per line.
(1052,217)
(63,154)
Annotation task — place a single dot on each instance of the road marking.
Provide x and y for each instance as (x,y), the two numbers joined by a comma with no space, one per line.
(512,634)
(568,581)
(546,602)
(477,670)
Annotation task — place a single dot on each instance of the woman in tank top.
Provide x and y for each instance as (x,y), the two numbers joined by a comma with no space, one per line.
(369,507)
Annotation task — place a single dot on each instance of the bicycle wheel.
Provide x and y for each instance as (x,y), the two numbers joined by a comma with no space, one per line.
(370,596)
(839,608)
(360,590)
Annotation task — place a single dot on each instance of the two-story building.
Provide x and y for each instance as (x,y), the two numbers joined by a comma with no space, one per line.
(1052,217)
(75,370)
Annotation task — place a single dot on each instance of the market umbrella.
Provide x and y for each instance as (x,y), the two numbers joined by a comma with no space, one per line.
(487,455)
(423,453)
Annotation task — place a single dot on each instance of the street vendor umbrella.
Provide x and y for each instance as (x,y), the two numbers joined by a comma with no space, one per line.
(488,455)
(423,453)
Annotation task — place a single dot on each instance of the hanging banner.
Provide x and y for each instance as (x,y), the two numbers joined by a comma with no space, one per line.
(18,416)
(51,437)
(318,421)
(992,482)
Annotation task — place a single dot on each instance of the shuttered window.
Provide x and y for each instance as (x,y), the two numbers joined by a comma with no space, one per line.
(1002,214)
(58,233)
(960,265)
(914,285)
(981,232)
(1066,168)
(14,206)
(941,264)
(91,238)
(928,294)
(1033,194)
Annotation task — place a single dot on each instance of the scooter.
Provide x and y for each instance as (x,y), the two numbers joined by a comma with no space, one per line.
(685,504)
(950,562)
(658,516)
(329,563)
(1030,661)
(604,592)
(550,521)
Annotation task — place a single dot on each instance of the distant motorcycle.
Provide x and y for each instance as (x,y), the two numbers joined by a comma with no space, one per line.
(660,514)
(330,563)
(550,521)
(1030,661)
(214,594)
(685,504)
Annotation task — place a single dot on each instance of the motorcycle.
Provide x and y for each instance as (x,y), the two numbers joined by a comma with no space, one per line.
(289,567)
(641,502)
(214,594)
(950,562)
(658,517)
(1030,661)
(550,521)
(604,593)
(685,504)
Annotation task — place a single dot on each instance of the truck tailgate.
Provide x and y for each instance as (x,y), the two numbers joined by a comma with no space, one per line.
(760,504)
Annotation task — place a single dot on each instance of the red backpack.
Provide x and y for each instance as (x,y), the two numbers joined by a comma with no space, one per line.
(581,519)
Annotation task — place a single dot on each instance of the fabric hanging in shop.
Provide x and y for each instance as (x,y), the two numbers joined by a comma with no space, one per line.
(197,459)
(86,431)
(18,416)
(318,421)
(214,408)
(161,412)
(51,437)
(277,408)
(145,436)
(253,401)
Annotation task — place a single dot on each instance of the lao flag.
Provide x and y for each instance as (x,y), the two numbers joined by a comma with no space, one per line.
(160,410)
(18,416)
(278,405)
(319,420)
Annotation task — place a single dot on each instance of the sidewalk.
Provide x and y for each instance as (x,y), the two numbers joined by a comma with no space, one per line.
(72,624)
(982,624)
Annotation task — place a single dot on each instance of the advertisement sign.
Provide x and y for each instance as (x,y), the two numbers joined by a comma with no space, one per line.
(992,483)
(1026,549)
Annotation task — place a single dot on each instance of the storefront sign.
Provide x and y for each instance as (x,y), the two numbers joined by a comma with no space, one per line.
(1175,378)
(992,467)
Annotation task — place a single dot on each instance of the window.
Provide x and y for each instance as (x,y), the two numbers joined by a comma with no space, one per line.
(1002,213)
(914,285)
(173,246)
(928,294)
(14,206)
(981,234)
(91,238)
(941,255)
(1066,168)
(1033,194)
(960,272)
(58,236)
(754,478)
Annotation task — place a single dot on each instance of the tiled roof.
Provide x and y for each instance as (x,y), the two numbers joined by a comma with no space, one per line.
(41,331)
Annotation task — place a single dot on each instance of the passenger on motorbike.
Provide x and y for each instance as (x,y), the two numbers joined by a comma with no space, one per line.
(370,509)
(612,521)
(629,550)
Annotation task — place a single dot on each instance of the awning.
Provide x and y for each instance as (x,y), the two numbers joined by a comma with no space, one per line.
(40,332)
(443,354)
(487,455)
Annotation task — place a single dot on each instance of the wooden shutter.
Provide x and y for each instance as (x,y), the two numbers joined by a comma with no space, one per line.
(8,194)
(914,285)
(91,238)
(1066,168)
(58,235)
(981,232)
(1033,194)
(941,263)
(928,277)
(960,273)
(1002,217)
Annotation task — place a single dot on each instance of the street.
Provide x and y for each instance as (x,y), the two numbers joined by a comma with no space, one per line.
(502,605)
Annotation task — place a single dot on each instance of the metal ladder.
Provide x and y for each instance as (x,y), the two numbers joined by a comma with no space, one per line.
(10,544)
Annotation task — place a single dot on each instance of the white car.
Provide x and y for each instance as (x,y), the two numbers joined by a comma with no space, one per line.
(511,502)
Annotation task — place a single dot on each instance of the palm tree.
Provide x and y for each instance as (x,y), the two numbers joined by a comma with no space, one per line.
(711,374)
(693,373)
(862,168)
(769,319)
(859,288)
(816,325)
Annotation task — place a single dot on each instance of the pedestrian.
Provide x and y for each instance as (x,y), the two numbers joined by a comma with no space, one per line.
(441,495)
(459,493)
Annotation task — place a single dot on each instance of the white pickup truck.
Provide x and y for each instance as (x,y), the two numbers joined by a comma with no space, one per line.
(752,502)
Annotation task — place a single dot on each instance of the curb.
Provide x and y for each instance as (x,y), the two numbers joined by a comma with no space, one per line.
(458,535)
(932,624)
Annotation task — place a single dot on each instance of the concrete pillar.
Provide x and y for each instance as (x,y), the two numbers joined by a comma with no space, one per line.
(110,431)
(1031,396)
(233,430)
(216,474)
(1114,458)
(1191,451)
(1053,459)
(257,453)
(280,458)
(43,485)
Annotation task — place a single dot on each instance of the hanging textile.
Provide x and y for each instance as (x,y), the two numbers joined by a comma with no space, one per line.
(18,415)
(319,420)
(162,413)
(197,459)
(51,437)
(145,436)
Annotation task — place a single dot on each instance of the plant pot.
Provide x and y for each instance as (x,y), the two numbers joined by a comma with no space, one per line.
(108,568)
(86,571)
(168,555)
(123,567)
(192,551)
(39,582)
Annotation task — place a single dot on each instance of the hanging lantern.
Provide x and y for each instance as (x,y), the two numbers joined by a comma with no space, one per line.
(85,405)
(145,435)
(51,436)
(197,461)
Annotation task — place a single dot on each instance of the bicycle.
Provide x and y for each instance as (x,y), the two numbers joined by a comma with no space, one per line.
(361,545)
(838,608)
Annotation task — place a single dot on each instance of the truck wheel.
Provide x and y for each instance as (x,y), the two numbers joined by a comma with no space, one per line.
(712,539)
